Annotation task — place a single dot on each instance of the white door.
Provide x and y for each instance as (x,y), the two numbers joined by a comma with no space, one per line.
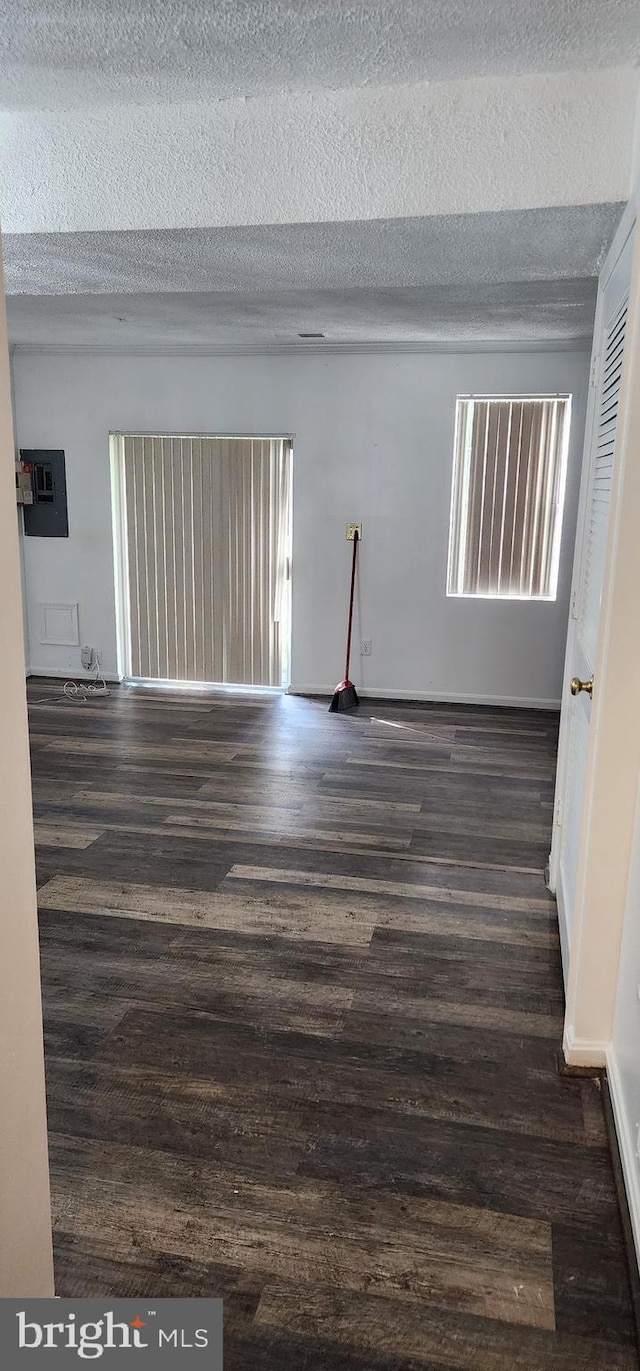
(609,340)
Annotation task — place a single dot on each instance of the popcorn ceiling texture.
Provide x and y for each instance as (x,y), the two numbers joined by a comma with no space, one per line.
(524,245)
(238,171)
(524,275)
(86,52)
(469,146)
(504,312)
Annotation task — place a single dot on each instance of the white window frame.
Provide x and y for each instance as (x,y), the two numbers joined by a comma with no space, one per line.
(460,507)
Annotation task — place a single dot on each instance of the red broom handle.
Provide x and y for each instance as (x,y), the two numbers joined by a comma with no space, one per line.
(353,582)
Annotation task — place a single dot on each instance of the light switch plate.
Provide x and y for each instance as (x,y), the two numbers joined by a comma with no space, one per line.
(351,532)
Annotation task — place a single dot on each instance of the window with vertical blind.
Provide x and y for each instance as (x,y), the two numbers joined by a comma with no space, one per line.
(202,532)
(510,463)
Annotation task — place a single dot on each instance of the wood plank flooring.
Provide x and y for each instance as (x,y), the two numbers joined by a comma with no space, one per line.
(303,1002)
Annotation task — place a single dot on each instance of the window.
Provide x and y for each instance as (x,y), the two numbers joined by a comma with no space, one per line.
(510,462)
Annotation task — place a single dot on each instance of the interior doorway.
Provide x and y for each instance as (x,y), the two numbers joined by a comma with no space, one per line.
(202,549)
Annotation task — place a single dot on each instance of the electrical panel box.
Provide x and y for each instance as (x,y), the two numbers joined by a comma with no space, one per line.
(24,485)
(46,517)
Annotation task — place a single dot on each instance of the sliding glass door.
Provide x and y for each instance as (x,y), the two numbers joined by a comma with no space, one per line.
(202,535)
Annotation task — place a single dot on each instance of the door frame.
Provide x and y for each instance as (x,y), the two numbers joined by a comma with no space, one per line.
(26,1256)
(613,758)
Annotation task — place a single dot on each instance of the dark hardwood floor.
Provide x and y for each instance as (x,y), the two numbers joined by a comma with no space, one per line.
(303,1002)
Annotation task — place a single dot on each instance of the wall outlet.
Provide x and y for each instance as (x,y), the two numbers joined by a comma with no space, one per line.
(352,529)
(87,658)
(365,647)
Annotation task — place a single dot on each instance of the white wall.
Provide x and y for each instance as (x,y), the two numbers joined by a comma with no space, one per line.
(373,439)
(622,1055)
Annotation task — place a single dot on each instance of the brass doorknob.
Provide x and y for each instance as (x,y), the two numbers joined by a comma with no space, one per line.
(577,685)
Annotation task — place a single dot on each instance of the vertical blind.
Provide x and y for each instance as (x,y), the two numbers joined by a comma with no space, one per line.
(508,489)
(204,532)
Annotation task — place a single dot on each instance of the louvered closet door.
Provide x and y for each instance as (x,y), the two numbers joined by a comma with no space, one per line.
(588,593)
(205,529)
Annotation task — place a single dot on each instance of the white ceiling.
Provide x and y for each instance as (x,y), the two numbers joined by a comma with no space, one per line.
(514,274)
(527,275)
(441,250)
(62,53)
(518,312)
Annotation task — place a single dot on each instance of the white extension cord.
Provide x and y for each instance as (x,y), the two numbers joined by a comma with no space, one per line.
(80,691)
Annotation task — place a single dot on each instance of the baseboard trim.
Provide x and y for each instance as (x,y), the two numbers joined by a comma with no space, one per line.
(430,696)
(583,1051)
(325,691)
(623,1163)
(628,1160)
(625,1176)
(57,674)
(564,932)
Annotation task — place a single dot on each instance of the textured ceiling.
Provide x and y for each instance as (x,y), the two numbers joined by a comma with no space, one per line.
(523,275)
(528,245)
(536,311)
(59,53)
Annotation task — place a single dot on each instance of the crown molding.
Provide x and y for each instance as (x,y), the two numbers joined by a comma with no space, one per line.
(580,344)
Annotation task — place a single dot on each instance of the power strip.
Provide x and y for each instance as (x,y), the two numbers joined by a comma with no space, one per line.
(88,690)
